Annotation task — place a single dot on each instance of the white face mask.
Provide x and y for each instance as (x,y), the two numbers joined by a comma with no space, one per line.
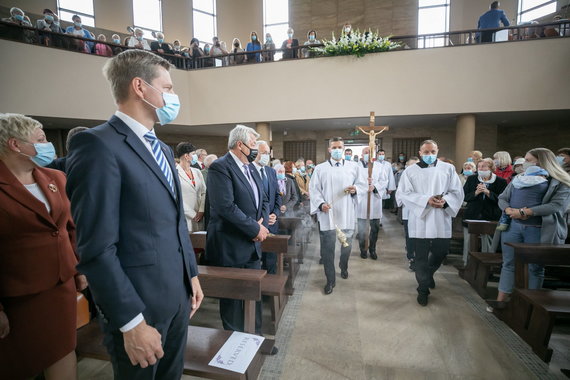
(264,160)
(484,173)
(527,164)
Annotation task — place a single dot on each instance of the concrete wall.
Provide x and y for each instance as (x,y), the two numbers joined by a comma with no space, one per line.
(517,141)
(238,18)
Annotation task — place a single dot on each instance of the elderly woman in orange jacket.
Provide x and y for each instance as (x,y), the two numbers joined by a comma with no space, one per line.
(38,280)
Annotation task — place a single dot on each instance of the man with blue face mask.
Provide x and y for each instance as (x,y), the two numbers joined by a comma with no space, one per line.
(432,193)
(132,235)
(388,173)
(333,190)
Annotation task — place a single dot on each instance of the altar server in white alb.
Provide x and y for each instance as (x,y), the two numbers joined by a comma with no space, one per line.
(376,185)
(432,193)
(388,172)
(333,190)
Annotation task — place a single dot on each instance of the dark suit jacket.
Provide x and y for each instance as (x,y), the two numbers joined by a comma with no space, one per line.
(290,53)
(132,235)
(481,207)
(37,248)
(154,46)
(58,164)
(233,214)
(273,198)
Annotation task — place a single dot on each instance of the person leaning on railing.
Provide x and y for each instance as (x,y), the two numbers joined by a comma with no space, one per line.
(237,59)
(50,23)
(253,45)
(101,48)
(289,45)
(77,30)
(18,17)
(268,45)
(311,40)
(137,41)
(116,41)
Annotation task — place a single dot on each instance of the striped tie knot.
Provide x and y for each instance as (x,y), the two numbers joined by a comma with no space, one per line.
(160,158)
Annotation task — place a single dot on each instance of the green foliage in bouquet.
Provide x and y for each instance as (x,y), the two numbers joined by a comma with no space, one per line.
(356,44)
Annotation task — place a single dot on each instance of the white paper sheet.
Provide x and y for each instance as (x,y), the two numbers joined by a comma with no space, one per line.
(238,351)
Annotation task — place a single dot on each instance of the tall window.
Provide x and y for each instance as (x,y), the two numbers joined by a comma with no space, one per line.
(276,21)
(147,15)
(205,20)
(82,8)
(532,9)
(433,17)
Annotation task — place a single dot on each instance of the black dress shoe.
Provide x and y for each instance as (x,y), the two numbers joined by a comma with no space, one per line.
(274,351)
(422,299)
(344,273)
(432,284)
(329,288)
(363,255)
(373,256)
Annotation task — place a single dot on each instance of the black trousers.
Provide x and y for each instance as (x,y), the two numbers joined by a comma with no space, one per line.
(269,262)
(429,256)
(373,238)
(328,245)
(231,311)
(410,243)
(173,332)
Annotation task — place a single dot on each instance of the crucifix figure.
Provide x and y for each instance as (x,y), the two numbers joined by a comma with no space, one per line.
(372,131)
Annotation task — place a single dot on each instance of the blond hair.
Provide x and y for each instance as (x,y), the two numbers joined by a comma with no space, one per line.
(17,126)
(471,165)
(489,161)
(547,161)
(503,157)
(123,68)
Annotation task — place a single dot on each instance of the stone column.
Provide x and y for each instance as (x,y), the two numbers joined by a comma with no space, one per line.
(264,129)
(464,138)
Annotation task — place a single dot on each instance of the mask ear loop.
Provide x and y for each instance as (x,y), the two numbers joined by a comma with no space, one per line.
(146,101)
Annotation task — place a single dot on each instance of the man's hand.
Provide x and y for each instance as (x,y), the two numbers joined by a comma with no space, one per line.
(283,208)
(272,219)
(436,202)
(4,325)
(263,232)
(351,189)
(326,207)
(161,51)
(371,188)
(198,295)
(199,216)
(143,345)
(80,282)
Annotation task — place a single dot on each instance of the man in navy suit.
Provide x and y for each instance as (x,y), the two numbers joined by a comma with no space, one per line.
(271,187)
(236,227)
(132,237)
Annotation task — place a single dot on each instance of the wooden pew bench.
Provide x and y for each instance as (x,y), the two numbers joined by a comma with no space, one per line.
(299,238)
(202,344)
(533,313)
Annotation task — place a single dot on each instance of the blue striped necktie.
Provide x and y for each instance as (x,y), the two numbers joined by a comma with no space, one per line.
(160,158)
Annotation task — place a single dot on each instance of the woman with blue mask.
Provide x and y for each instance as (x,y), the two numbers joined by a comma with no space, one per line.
(253,45)
(563,158)
(38,279)
(469,168)
(311,40)
(18,17)
(289,46)
(268,48)
(50,23)
(78,30)
(192,186)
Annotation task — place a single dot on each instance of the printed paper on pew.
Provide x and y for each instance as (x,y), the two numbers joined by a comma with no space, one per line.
(200,232)
(476,221)
(238,351)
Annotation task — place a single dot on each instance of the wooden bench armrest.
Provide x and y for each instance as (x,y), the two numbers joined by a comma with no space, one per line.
(541,254)
(482,227)
(233,283)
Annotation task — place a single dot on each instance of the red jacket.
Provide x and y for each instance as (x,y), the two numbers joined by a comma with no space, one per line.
(506,173)
(37,247)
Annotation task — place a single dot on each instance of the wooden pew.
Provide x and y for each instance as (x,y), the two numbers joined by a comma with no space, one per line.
(234,283)
(480,264)
(299,241)
(83,315)
(201,346)
(532,313)
(272,285)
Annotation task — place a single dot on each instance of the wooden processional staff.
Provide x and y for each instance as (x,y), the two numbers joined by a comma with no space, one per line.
(372,131)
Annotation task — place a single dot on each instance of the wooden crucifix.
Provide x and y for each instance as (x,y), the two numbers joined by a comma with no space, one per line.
(372,131)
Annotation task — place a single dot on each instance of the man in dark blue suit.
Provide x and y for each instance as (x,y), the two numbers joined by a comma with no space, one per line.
(271,187)
(132,237)
(236,227)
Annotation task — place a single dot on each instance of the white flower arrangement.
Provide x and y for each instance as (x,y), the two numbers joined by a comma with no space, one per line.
(356,43)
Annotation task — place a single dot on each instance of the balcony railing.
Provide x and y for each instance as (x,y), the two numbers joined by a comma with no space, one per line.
(30,35)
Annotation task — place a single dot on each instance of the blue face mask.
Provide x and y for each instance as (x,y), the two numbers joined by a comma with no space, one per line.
(140,38)
(49,18)
(290,35)
(401,158)
(45,152)
(302,169)
(194,159)
(294,170)
(347,157)
(19,17)
(336,154)
(429,159)
(253,38)
(311,37)
(281,176)
(169,111)
(117,41)
(366,157)
(468,172)
(560,160)
(381,157)
(269,39)
(160,40)
(77,24)
(469,159)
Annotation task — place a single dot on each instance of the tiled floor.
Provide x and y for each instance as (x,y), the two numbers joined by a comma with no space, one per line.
(371,327)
